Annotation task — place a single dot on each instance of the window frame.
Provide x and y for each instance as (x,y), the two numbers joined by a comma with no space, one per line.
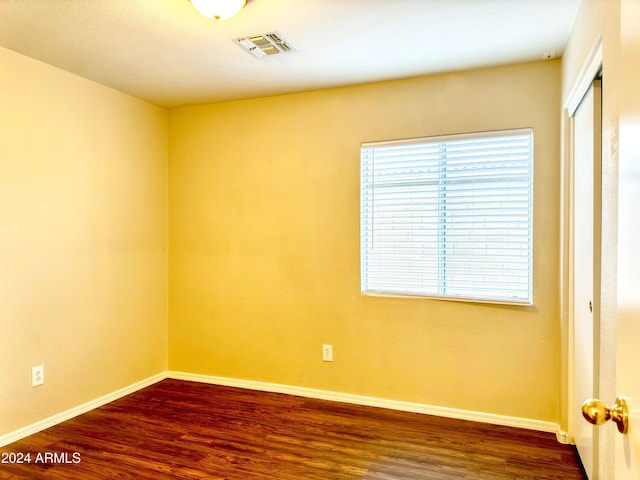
(442,294)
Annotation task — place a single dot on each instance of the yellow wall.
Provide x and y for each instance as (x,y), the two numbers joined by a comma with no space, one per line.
(83,240)
(264,257)
(264,253)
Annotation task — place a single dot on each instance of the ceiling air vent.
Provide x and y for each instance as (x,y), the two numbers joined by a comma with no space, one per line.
(264,44)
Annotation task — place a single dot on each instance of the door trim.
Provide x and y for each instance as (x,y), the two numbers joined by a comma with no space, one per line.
(592,65)
(588,72)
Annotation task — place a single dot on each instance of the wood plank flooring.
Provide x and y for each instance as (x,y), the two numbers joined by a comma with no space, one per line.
(183,430)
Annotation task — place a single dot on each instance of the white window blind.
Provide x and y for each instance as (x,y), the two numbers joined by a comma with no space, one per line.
(448,217)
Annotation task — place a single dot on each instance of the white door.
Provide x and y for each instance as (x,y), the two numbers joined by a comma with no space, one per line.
(627,447)
(586,267)
(627,462)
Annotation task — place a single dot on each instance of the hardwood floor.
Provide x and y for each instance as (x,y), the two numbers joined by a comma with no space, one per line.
(184,430)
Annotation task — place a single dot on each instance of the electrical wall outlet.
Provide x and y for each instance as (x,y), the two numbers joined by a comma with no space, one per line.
(37,375)
(327,353)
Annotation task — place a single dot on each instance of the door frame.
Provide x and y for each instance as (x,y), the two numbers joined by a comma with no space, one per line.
(605,341)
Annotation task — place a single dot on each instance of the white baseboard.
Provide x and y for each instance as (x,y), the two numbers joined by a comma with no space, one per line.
(491,418)
(564,437)
(474,416)
(79,410)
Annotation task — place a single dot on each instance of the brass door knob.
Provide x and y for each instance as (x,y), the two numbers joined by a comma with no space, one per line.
(597,413)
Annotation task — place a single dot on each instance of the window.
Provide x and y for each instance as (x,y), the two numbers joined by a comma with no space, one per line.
(448,217)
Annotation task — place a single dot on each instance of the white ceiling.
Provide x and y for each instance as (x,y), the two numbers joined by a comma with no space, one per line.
(163,51)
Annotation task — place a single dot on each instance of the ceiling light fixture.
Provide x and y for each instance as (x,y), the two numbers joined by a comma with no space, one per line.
(218,9)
